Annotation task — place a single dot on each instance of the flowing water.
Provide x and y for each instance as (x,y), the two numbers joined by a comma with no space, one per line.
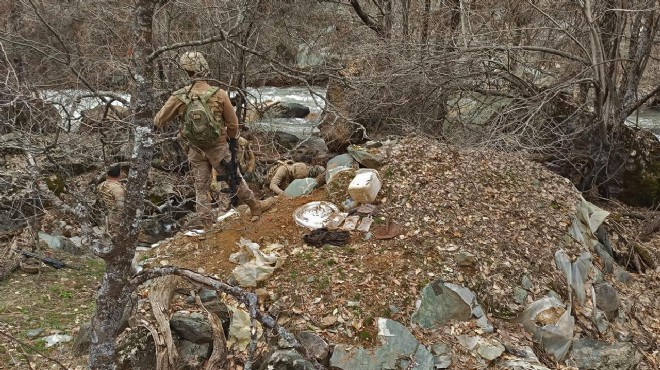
(646,118)
(311,98)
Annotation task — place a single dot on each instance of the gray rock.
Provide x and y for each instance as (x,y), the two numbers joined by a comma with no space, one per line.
(373,144)
(608,260)
(288,359)
(369,158)
(440,349)
(622,275)
(466,259)
(286,139)
(398,346)
(205,295)
(83,339)
(192,355)
(192,327)
(286,110)
(527,283)
(136,351)
(152,231)
(342,160)
(300,187)
(220,309)
(60,243)
(440,304)
(489,349)
(519,295)
(315,346)
(607,299)
(33,333)
(520,364)
(594,354)
(441,356)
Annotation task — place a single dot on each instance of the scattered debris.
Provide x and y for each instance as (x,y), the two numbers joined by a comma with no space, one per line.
(314,214)
(365,186)
(388,231)
(322,236)
(255,264)
(54,339)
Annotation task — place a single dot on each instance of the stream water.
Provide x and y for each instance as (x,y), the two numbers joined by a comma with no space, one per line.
(70,106)
(646,118)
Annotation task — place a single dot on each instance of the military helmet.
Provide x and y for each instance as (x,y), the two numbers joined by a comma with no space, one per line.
(316,170)
(194,61)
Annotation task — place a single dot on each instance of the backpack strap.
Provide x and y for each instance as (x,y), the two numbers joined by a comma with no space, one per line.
(209,93)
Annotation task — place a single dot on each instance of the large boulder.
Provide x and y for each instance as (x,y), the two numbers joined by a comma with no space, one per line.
(285,110)
(399,346)
(594,354)
(192,326)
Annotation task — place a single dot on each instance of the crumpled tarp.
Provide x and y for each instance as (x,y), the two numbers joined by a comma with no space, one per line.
(587,219)
(555,338)
(255,264)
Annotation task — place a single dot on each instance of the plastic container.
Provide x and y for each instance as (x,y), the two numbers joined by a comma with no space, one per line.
(365,186)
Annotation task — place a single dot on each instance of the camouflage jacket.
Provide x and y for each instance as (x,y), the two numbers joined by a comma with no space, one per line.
(112,194)
(219,104)
(287,172)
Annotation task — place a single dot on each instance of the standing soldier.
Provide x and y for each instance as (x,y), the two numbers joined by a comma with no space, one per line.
(209,120)
(112,194)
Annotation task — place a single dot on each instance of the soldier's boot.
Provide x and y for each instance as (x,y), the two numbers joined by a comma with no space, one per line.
(257,207)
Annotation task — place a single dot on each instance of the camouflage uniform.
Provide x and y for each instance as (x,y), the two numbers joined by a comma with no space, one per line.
(112,194)
(202,161)
(282,175)
(245,156)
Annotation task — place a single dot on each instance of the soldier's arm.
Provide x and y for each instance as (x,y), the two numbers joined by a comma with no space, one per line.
(229,114)
(168,111)
(251,161)
(275,182)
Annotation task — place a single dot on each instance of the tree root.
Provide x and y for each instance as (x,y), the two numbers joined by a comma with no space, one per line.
(245,297)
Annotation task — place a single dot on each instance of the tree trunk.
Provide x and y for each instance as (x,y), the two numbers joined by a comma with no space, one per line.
(114,292)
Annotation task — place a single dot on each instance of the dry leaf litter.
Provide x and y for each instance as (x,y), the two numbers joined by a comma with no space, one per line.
(484,220)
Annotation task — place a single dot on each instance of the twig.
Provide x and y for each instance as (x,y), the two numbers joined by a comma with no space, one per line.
(14,339)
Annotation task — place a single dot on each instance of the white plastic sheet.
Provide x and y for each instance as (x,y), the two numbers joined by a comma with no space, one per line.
(255,264)
(555,338)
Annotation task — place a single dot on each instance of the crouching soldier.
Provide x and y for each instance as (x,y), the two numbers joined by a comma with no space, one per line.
(112,195)
(209,120)
(282,175)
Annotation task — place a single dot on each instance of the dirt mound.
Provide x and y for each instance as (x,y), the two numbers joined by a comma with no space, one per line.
(510,214)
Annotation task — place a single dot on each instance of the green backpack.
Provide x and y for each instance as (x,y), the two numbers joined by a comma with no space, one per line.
(200,127)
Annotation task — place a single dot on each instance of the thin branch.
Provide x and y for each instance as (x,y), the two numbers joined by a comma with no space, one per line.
(528,48)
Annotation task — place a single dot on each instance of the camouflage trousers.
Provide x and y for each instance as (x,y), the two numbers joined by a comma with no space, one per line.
(202,162)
